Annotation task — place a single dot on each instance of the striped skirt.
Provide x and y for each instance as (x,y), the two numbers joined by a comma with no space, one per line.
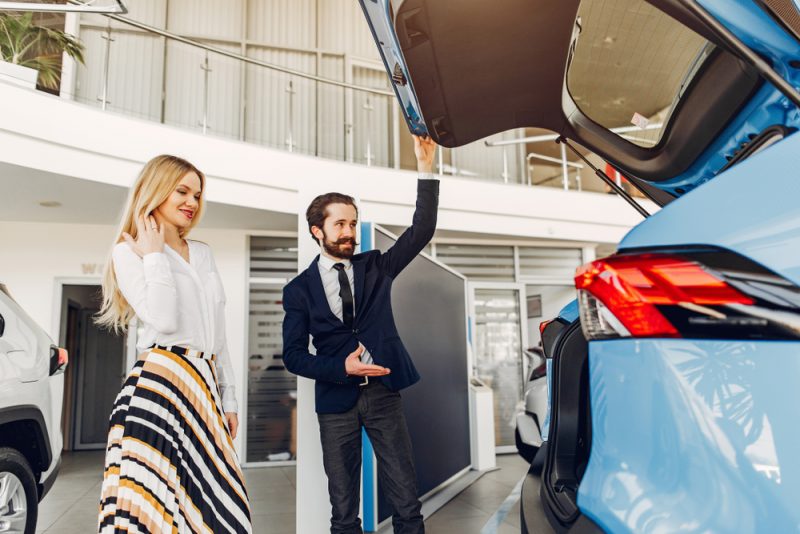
(170,463)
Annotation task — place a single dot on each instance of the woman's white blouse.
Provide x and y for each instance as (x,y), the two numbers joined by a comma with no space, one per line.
(178,303)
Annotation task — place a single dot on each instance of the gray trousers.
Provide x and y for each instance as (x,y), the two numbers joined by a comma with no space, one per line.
(380,412)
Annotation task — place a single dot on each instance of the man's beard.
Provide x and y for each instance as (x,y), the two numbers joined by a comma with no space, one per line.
(335,249)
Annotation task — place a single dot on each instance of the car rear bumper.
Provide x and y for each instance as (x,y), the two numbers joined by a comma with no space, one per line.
(533,516)
(48,480)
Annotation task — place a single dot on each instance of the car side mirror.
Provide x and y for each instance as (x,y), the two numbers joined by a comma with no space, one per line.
(2,325)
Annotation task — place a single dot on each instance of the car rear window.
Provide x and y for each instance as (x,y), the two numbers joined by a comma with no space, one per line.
(630,65)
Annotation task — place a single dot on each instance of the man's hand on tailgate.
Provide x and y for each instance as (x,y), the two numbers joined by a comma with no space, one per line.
(424,149)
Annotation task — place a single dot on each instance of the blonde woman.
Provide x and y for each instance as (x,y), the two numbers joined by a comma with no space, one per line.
(170,463)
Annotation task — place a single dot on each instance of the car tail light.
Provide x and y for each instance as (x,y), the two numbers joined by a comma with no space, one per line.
(58,360)
(702,293)
(543,326)
(549,331)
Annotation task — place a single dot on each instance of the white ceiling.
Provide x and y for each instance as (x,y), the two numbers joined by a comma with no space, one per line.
(86,202)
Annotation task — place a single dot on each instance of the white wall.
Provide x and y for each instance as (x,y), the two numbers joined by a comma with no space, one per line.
(37,254)
(553,299)
(73,140)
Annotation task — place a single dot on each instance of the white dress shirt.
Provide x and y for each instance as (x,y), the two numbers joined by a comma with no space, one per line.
(330,283)
(178,303)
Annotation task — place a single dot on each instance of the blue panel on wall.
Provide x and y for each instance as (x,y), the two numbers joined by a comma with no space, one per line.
(369,492)
(366,236)
(368,484)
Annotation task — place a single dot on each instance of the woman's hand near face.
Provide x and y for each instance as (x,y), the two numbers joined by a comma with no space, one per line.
(149,237)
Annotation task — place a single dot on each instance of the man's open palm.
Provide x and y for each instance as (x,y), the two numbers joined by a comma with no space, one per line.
(354,367)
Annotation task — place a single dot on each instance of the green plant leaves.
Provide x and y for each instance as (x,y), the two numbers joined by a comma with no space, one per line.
(25,43)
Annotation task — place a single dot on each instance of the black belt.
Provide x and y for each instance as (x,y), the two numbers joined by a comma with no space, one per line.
(183,351)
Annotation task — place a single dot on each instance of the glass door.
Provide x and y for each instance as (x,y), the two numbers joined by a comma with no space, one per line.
(498,314)
(271,431)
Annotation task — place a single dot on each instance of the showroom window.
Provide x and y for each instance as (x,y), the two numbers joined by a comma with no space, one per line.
(271,389)
(549,262)
(479,262)
(511,290)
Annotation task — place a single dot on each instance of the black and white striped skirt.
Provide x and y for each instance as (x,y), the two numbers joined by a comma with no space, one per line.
(170,463)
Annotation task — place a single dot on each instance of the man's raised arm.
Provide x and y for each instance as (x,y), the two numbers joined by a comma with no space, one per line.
(423,224)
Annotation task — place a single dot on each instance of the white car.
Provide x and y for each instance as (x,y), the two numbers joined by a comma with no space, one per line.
(532,412)
(31,393)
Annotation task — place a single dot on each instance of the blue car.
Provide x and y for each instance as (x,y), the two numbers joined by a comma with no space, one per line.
(675,377)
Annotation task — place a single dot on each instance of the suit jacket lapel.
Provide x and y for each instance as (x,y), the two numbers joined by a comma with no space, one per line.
(318,291)
(359,274)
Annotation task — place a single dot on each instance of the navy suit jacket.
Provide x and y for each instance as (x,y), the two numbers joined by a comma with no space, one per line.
(308,313)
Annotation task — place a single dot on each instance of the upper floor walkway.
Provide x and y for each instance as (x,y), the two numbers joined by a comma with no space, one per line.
(45,134)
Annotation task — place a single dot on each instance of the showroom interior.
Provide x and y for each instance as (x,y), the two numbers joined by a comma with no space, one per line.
(277,102)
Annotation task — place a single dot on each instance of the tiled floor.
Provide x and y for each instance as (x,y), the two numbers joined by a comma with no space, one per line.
(71,506)
(475,506)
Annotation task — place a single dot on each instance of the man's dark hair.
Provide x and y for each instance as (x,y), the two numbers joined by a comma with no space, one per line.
(318,209)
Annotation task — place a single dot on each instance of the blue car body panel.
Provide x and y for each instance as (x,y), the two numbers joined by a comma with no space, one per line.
(569,313)
(752,209)
(703,435)
(693,436)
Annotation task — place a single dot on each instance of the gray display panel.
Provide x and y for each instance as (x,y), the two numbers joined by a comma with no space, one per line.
(429,303)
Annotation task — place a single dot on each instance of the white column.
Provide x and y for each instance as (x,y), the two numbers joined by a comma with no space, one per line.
(589,253)
(69,67)
(313,508)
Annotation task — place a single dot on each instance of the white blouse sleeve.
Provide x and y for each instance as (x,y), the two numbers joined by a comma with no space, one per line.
(148,286)
(225,378)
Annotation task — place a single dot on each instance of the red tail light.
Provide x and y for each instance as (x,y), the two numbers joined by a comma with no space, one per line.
(58,360)
(63,356)
(632,294)
(543,325)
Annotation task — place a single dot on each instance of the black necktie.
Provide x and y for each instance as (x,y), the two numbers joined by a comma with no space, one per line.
(347,295)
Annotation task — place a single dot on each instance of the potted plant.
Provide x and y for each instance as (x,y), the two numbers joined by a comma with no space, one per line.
(29,51)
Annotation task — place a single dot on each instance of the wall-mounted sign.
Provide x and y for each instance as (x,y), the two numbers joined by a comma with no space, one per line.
(534,305)
(92,268)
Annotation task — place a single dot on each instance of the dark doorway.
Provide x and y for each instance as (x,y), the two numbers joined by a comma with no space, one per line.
(96,370)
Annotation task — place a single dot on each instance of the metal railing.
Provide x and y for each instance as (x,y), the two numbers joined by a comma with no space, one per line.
(247,91)
(258,101)
(624,132)
(245,59)
(565,165)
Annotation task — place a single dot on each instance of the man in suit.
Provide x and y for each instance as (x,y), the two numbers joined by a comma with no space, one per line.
(343,300)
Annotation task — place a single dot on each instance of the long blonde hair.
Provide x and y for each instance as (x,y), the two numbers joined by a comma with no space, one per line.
(158,179)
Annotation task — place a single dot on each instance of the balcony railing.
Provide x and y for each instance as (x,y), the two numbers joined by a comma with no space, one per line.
(313,102)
